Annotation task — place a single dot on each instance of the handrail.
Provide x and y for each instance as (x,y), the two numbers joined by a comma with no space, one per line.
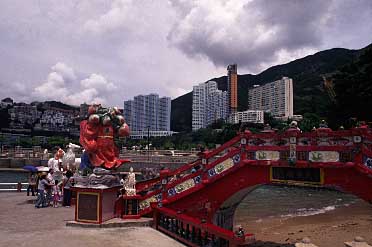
(13,183)
(234,140)
(190,225)
(320,132)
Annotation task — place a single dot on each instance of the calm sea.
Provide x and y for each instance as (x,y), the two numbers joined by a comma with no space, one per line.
(271,201)
(13,177)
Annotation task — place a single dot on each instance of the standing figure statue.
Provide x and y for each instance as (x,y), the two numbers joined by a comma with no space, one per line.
(69,162)
(130,183)
(98,133)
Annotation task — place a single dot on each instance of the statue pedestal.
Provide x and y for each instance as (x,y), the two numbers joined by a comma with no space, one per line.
(95,205)
(131,207)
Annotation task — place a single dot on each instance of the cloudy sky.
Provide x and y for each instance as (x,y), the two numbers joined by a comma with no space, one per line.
(106,51)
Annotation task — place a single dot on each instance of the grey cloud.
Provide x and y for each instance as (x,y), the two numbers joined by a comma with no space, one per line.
(139,46)
(258,32)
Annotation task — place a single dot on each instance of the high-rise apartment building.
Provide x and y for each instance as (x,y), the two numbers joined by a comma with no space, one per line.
(208,105)
(274,97)
(232,87)
(250,116)
(148,112)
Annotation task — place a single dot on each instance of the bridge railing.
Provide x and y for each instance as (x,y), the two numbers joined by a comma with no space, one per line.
(175,184)
(152,190)
(344,145)
(195,232)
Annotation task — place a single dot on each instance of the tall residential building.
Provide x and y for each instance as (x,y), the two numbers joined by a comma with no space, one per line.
(274,97)
(208,104)
(148,112)
(232,87)
(250,116)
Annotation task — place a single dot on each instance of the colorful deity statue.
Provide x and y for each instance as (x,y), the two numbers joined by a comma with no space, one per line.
(98,133)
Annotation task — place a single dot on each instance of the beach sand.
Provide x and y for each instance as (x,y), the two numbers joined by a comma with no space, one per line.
(330,229)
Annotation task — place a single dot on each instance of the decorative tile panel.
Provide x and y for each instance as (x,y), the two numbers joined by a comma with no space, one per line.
(368,162)
(197,179)
(146,203)
(223,166)
(324,156)
(211,172)
(184,185)
(267,155)
(236,158)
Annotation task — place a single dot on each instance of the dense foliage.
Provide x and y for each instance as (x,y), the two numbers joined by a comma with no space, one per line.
(353,89)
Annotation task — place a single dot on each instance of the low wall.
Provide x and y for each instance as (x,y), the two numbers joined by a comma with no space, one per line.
(19,163)
(137,166)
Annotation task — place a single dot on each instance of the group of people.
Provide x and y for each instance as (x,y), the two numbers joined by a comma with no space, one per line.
(53,185)
(50,191)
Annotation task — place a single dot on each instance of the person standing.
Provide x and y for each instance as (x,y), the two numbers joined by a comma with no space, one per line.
(67,184)
(49,189)
(56,195)
(31,184)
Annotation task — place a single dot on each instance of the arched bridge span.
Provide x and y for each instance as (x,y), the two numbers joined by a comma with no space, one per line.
(210,188)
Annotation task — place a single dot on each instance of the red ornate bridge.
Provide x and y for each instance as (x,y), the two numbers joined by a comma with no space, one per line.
(196,203)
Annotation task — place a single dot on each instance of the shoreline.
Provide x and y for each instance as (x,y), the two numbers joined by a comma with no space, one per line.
(329,229)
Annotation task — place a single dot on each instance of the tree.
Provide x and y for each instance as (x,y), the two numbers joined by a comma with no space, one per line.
(353,89)
(309,121)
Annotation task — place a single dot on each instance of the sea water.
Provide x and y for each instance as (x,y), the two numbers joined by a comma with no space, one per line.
(14,176)
(271,201)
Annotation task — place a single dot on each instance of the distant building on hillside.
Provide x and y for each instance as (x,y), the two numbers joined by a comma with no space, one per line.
(23,116)
(208,105)
(41,117)
(232,87)
(83,110)
(6,102)
(274,97)
(250,116)
(148,112)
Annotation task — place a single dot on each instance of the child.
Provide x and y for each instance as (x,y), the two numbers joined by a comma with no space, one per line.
(56,195)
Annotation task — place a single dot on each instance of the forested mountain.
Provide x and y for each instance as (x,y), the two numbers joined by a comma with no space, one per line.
(353,89)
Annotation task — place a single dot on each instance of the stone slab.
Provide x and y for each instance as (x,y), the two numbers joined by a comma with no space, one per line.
(357,244)
(114,223)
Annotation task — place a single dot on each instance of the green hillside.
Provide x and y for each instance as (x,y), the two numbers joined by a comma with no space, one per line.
(307,74)
(353,89)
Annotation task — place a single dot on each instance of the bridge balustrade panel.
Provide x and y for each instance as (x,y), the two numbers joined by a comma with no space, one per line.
(194,231)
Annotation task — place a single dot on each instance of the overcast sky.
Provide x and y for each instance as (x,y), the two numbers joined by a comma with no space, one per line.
(78,51)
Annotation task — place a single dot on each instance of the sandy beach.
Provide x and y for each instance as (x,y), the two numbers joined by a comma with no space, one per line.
(330,229)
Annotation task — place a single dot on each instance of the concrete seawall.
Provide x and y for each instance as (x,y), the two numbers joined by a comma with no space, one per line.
(19,163)
(137,166)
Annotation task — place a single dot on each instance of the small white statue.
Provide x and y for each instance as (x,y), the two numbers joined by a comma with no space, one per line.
(130,183)
(69,161)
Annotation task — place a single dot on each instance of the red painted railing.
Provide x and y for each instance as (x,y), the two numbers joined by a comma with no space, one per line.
(196,232)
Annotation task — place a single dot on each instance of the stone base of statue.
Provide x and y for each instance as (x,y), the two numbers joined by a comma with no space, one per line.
(95,205)
(130,207)
(100,178)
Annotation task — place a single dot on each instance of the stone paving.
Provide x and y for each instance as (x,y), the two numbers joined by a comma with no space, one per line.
(21,224)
